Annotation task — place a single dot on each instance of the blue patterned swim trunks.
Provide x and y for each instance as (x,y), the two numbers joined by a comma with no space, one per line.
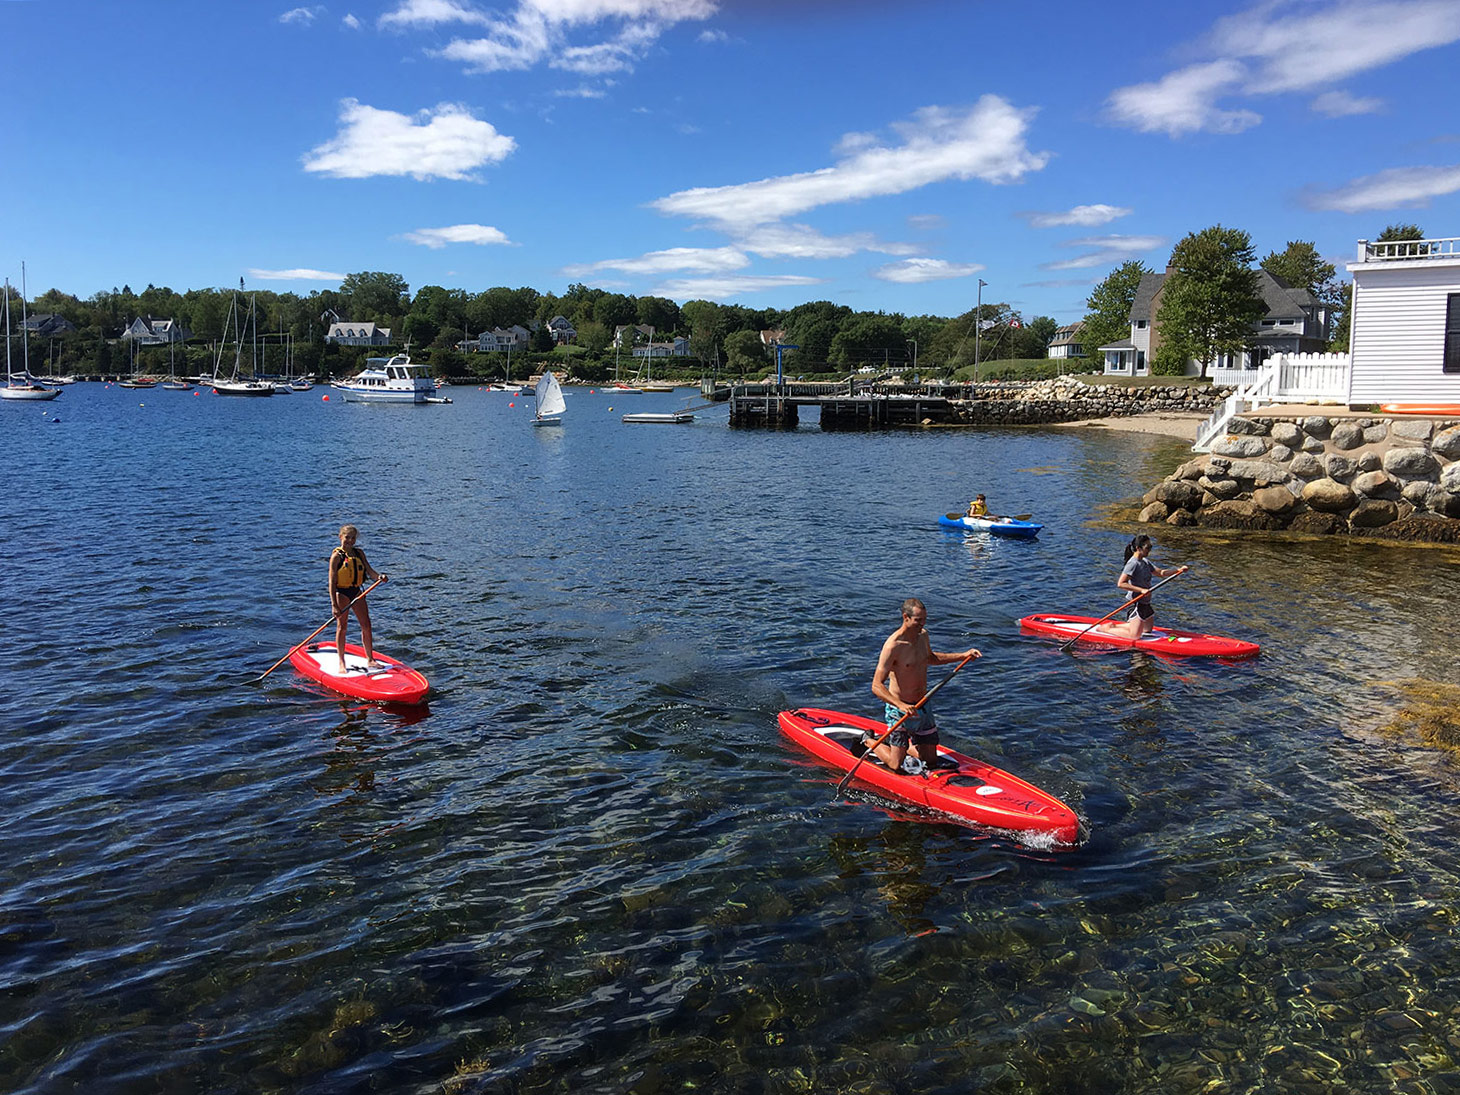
(920,725)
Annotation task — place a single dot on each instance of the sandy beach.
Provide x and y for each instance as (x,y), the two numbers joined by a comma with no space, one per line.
(1179,426)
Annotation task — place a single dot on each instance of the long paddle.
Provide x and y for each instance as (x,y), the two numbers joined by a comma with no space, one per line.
(873,747)
(358,597)
(1121,608)
(994,517)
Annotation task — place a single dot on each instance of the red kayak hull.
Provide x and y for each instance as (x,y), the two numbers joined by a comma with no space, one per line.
(394,682)
(1168,642)
(1433,410)
(963,787)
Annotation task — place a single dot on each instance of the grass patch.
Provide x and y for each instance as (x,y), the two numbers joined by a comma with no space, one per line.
(1429,711)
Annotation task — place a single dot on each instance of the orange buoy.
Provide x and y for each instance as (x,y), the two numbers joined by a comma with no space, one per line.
(325,398)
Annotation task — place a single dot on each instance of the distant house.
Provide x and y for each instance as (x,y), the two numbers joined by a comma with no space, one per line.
(561,330)
(642,333)
(1066,343)
(497,341)
(1404,333)
(1295,323)
(47,325)
(357,334)
(772,336)
(679,347)
(146,331)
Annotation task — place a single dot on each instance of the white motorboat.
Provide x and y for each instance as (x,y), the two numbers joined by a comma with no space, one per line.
(389,380)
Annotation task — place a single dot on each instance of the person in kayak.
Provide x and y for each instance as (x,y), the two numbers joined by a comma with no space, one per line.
(348,571)
(978,507)
(1136,579)
(901,681)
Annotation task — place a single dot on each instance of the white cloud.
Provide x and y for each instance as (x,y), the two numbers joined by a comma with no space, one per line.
(444,143)
(1283,46)
(916,271)
(723,288)
(300,274)
(1083,216)
(800,241)
(713,36)
(694,260)
(303,16)
(437,238)
(1182,102)
(538,31)
(350,21)
(582,91)
(927,222)
(1319,45)
(1396,188)
(430,13)
(985,142)
(1340,104)
(1106,249)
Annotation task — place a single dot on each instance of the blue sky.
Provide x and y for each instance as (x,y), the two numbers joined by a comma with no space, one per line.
(768,153)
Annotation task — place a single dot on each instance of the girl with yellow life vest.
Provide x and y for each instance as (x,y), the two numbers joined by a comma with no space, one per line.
(348,571)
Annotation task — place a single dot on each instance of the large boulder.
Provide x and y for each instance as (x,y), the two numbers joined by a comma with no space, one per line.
(1286,433)
(1450,478)
(1423,527)
(1306,466)
(1249,426)
(1221,488)
(1318,524)
(1373,512)
(1274,500)
(1373,435)
(1346,436)
(1156,511)
(1177,494)
(1315,425)
(1328,496)
(1234,445)
(1411,429)
(1426,496)
(1411,464)
(1447,443)
(1181,518)
(1262,472)
(1376,484)
(1280,454)
(1192,469)
(1370,461)
(1340,467)
(1237,514)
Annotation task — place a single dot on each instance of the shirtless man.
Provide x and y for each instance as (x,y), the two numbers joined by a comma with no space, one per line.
(901,680)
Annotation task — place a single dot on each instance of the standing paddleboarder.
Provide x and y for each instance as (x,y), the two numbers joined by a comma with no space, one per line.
(348,571)
(1135,579)
(901,681)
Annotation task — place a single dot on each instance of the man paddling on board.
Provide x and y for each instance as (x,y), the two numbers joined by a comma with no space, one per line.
(348,571)
(901,681)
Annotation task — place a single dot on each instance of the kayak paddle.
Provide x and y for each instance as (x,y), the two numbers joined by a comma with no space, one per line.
(358,597)
(1121,608)
(907,715)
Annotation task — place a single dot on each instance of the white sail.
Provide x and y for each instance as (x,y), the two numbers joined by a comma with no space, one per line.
(550,396)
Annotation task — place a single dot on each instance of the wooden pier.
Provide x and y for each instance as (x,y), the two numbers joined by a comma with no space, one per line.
(842,405)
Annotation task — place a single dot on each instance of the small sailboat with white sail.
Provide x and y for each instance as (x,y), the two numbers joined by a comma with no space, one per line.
(21,385)
(550,401)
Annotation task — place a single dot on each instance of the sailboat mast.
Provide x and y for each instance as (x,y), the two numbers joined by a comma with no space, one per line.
(7,328)
(24,333)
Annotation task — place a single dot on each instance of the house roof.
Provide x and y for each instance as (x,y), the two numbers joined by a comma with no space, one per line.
(1068,334)
(1280,298)
(1123,344)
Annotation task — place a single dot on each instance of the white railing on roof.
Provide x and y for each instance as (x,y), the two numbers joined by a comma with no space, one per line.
(1404,250)
(1282,378)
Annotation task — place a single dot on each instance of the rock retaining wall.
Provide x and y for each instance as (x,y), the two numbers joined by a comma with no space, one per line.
(1069,399)
(1392,478)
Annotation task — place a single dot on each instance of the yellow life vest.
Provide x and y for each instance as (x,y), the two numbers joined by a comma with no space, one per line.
(350,572)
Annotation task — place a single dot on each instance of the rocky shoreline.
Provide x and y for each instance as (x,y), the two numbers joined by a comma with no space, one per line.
(1390,478)
(1070,399)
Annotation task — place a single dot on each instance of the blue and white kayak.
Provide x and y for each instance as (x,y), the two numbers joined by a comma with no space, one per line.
(998,526)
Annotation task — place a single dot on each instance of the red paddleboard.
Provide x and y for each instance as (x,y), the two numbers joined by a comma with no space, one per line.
(393,681)
(958,785)
(1168,642)
(1435,410)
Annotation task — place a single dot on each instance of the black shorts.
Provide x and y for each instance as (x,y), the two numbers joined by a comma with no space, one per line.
(1144,609)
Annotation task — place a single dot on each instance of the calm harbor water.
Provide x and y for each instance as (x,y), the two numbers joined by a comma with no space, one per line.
(591,864)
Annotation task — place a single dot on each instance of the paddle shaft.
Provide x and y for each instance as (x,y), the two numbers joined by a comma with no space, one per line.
(358,597)
(994,517)
(1121,608)
(917,706)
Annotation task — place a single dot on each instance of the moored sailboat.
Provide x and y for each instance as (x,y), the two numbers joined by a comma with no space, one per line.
(22,386)
(236,385)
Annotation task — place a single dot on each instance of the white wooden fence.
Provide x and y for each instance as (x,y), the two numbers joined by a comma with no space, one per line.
(1282,378)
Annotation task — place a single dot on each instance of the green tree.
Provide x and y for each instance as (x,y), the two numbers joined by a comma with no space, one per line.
(1210,301)
(542,340)
(1403,233)
(594,336)
(1108,319)
(373,296)
(614,310)
(871,338)
(1343,319)
(744,352)
(1301,266)
(661,314)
